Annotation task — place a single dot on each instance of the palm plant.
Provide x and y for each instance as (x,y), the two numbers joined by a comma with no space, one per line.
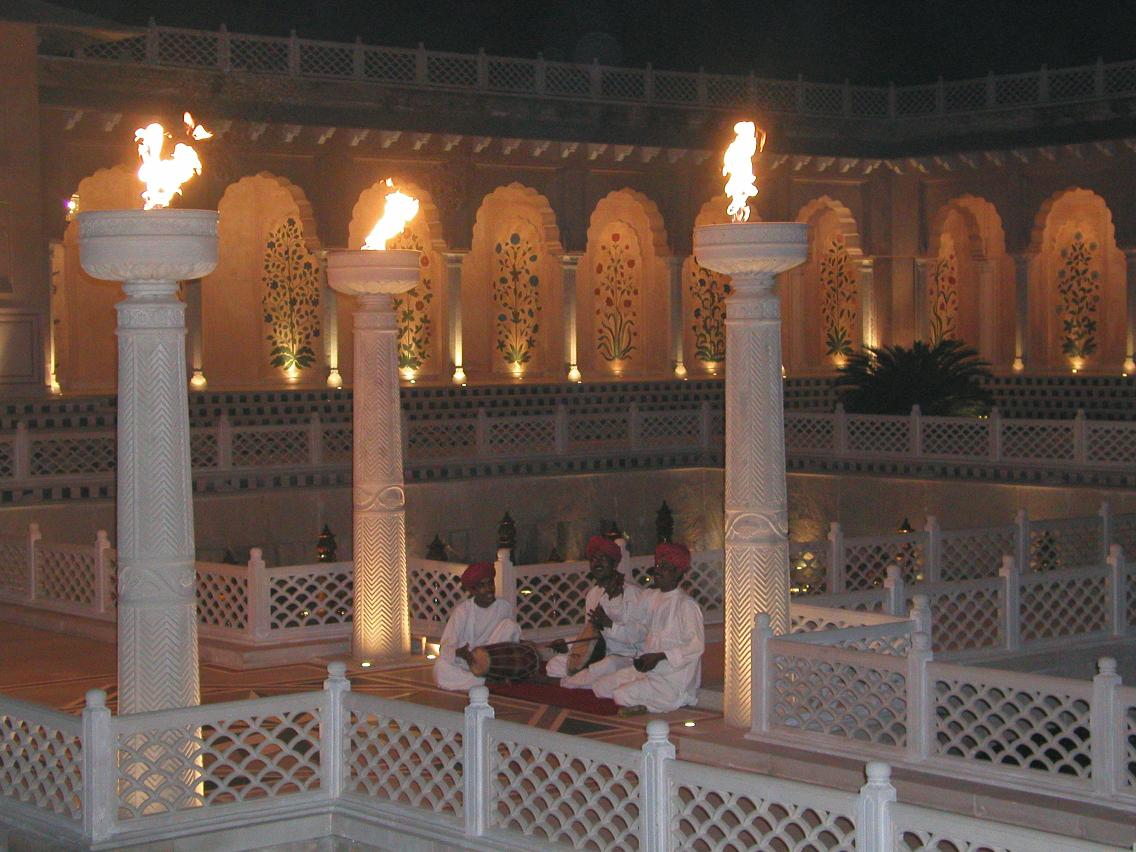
(941,378)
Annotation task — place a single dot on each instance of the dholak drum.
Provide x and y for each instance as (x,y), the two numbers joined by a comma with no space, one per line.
(506,661)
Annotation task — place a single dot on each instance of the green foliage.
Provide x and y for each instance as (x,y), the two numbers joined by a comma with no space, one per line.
(516,298)
(1078,284)
(942,379)
(616,296)
(709,291)
(838,307)
(413,308)
(291,297)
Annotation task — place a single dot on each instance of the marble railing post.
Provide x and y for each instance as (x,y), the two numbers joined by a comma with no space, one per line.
(150,251)
(756,512)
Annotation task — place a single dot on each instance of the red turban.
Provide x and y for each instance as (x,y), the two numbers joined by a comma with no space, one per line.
(677,555)
(600,546)
(477,572)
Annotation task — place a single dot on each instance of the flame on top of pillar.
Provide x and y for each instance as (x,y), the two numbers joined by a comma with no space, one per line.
(163,178)
(737,168)
(397,211)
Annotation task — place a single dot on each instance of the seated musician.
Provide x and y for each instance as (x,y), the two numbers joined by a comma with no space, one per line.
(482,619)
(667,674)
(615,611)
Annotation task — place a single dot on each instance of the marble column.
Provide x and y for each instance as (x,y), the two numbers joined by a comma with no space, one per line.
(157,612)
(756,512)
(380,626)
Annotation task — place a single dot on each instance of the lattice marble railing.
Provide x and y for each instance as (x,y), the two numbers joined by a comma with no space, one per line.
(561,790)
(271,454)
(720,809)
(456,779)
(403,753)
(180,763)
(41,762)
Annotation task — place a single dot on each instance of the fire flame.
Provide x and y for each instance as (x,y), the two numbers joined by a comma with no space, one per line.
(163,178)
(397,211)
(737,168)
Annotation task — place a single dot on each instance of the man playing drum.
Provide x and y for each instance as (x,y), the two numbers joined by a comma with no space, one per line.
(667,674)
(482,619)
(618,611)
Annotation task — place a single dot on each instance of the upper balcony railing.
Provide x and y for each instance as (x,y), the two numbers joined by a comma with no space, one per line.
(480,73)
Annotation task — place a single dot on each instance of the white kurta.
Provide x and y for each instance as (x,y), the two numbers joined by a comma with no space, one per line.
(675,629)
(629,613)
(472,625)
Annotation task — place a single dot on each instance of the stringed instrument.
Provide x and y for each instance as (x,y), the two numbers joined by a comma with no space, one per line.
(587,648)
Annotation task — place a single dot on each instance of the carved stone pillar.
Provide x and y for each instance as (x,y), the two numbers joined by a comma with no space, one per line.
(674,267)
(569,263)
(920,326)
(1021,310)
(869,326)
(1129,366)
(756,521)
(380,629)
(454,261)
(157,613)
(987,311)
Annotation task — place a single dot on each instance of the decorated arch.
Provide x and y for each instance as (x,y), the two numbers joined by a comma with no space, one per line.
(623,289)
(969,279)
(423,349)
(1077,286)
(82,307)
(827,327)
(261,307)
(511,287)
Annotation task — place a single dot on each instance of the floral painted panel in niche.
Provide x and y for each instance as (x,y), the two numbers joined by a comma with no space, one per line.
(708,292)
(291,297)
(1078,285)
(412,308)
(838,290)
(944,297)
(516,297)
(618,274)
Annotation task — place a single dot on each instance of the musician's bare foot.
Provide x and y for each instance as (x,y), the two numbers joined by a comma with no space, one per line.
(633,710)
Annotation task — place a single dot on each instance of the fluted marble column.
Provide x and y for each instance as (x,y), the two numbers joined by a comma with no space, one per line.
(756,517)
(380,627)
(157,614)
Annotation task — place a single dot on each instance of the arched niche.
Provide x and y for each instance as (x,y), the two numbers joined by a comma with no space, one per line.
(623,289)
(511,290)
(1077,286)
(826,305)
(704,295)
(423,349)
(970,279)
(86,349)
(261,307)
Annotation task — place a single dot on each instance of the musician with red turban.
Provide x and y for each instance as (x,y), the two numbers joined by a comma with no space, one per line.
(667,674)
(481,619)
(617,611)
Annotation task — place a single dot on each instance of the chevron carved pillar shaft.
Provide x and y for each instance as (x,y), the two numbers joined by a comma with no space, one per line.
(756,515)
(381,629)
(380,626)
(157,611)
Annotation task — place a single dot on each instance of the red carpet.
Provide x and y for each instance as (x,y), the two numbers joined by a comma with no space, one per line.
(583,700)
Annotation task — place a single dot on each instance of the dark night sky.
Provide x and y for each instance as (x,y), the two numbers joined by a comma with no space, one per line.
(867,41)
